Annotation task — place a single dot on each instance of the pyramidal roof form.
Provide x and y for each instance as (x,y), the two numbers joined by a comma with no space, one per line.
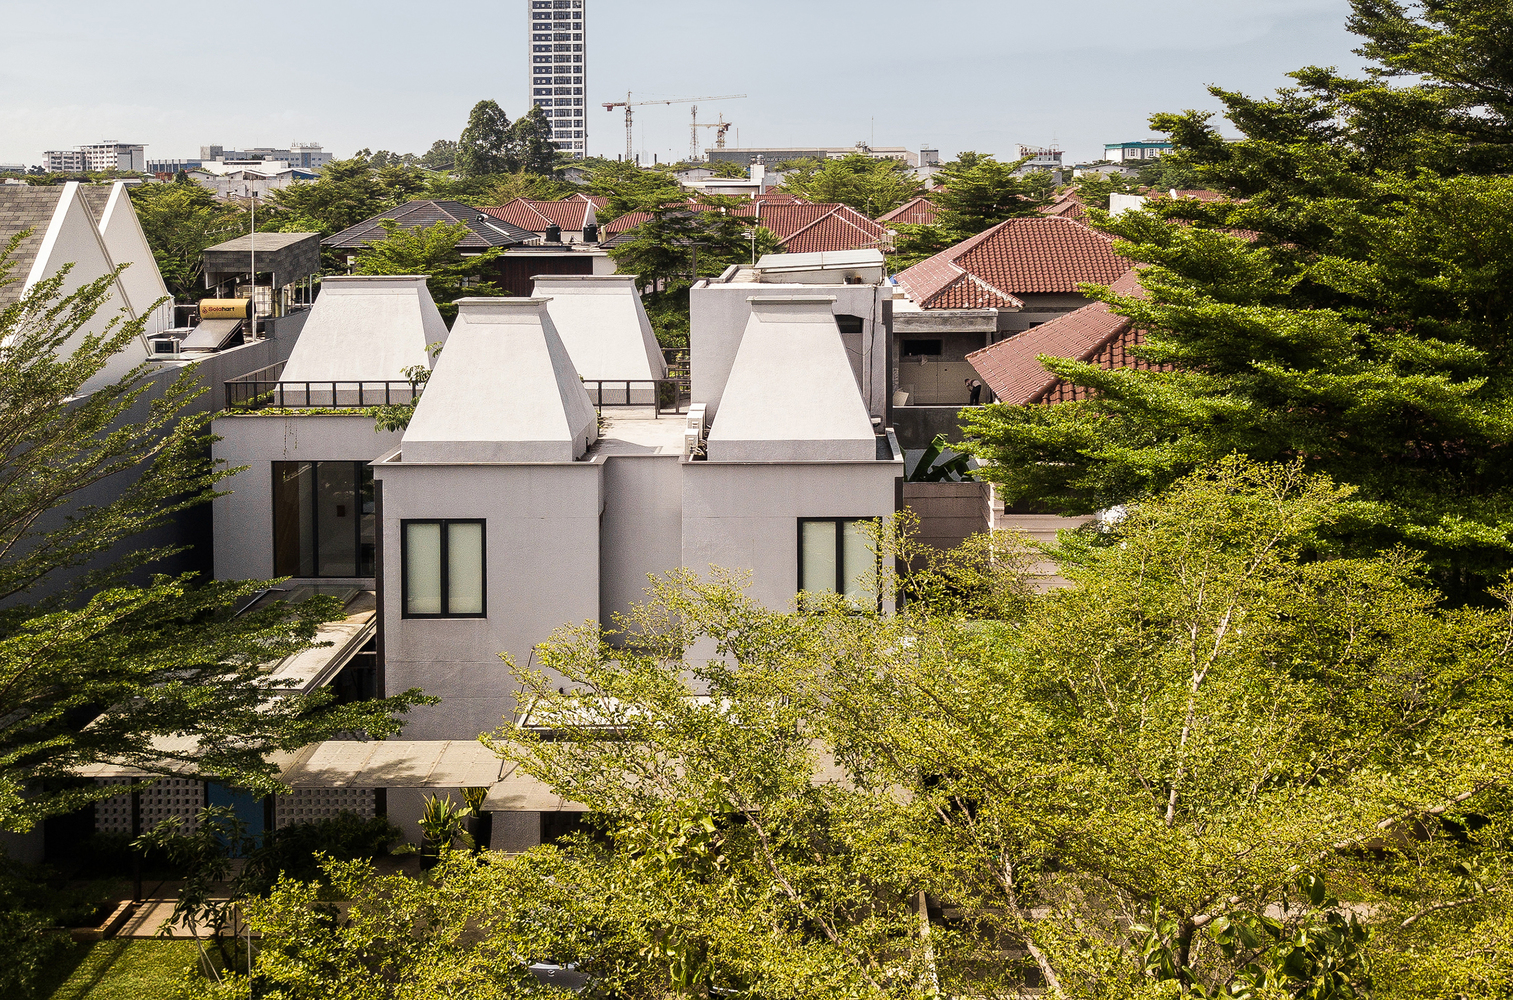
(603,325)
(792,396)
(366,329)
(504,391)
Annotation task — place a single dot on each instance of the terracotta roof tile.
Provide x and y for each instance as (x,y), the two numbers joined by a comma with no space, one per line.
(799,228)
(1025,256)
(1093,333)
(1068,206)
(536,216)
(920,211)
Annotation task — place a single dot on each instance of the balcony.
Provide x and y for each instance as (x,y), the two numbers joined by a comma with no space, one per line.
(264,389)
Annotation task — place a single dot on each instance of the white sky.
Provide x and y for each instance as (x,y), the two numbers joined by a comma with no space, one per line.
(962,74)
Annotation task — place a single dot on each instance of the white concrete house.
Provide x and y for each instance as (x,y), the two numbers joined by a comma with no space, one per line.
(517,501)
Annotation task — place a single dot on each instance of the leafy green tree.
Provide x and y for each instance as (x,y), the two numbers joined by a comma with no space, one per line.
(1094,189)
(522,184)
(631,189)
(82,638)
(485,145)
(912,244)
(871,185)
(181,220)
(347,192)
(531,148)
(980,192)
(1361,330)
(666,246)
(433,252)
(441,156)
(725,168)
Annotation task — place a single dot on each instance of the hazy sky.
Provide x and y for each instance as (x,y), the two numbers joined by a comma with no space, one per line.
(961,74)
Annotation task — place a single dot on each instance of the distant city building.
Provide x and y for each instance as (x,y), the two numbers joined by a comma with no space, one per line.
(301,155)
(12,168)
(1121,152)
(232,180)
(558,44)
(774,155)
(172,166)
(104,155)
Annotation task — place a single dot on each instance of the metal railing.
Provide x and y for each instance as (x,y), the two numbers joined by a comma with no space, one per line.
(677,359)
(264,389)
(663,395)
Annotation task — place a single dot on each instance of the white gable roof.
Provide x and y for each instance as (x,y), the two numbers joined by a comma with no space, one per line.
(366,329)
(127,244)
(504,391)
(603,325)
(791,396)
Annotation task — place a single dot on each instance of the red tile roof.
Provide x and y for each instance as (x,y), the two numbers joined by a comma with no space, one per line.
(1028,256)
(920,211)
(1068,206)
(528,213)
(799,227)
(1093,334)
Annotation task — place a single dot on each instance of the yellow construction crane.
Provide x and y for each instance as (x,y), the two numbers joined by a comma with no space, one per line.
(628,104)
(719,137)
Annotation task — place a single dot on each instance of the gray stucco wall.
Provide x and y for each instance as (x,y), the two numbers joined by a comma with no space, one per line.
(542,568)
(745,517)
(641,531)
(244,519)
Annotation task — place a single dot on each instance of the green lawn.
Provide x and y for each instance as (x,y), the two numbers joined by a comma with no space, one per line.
(125,969)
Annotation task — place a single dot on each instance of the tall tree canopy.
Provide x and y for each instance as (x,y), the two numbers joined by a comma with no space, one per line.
(95,666)
(180,220)
(980,192)
(484,147)
(1362,328)
(871,185)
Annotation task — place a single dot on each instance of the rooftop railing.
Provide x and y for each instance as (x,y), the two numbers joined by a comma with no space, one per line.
(265,389)
(662,395)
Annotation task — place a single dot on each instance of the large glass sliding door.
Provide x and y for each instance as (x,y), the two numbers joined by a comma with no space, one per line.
(323,519)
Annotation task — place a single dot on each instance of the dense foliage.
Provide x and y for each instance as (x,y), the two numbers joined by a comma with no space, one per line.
(1360,327)
(872,185)
(1216,765)
(433,252)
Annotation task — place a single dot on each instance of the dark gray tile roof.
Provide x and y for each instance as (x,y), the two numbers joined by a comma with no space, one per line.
(23,207)
(423,215)
(265,241)
(96,197)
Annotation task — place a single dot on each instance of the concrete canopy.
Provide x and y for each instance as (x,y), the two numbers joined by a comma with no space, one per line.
(504,391)
(792,396)
(366,329)
(603,325)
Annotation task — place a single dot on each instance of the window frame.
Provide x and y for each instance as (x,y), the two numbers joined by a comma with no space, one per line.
(358,468)
(446,597)
(840,555)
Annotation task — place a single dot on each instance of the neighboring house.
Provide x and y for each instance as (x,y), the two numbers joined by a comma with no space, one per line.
(509,507)
(1015,276)
(1092,334)
(525,255)
(919,211)
(1136,152)
(572,220)
(1068,206)
(798,226)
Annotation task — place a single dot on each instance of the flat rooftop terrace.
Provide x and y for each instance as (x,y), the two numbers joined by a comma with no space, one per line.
(634,430)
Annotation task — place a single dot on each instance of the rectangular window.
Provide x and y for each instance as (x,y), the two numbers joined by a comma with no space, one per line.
(323,519)
(836,557)
(921,348)
(443,569)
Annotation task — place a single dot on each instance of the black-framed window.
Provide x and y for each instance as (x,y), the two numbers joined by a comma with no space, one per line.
(443,569)
(921,348)
(323,523)
(836,556)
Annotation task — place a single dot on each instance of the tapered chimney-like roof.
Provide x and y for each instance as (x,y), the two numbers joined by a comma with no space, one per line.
(603,325)
(792,396)
(366,329)
(504,391)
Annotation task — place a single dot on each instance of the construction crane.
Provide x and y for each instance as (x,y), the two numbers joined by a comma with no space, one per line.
(628,104)
(719,137)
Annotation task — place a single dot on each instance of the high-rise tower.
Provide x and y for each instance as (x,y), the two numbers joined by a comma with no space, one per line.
(558,70)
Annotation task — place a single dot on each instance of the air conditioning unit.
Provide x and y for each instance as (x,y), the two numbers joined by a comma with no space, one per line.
(694,433)
(165,347)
